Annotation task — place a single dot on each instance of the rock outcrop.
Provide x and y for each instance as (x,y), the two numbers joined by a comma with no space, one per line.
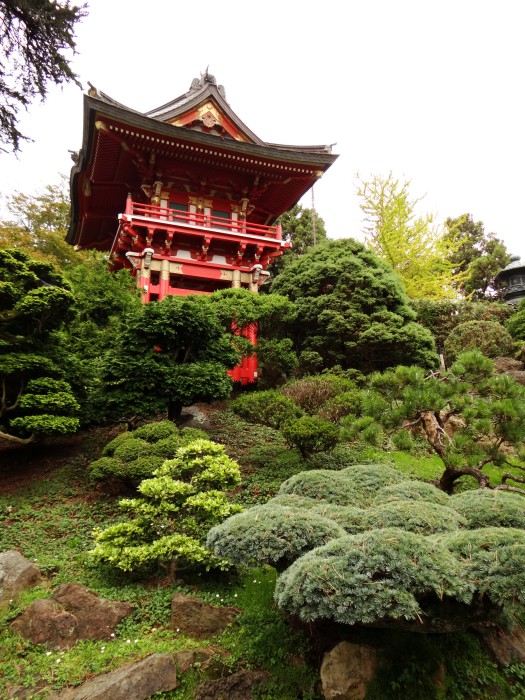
(16,574)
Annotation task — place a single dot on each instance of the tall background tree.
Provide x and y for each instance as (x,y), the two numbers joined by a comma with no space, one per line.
(33,36)
(412,244)
(37,224)
(477,256)
(304,228)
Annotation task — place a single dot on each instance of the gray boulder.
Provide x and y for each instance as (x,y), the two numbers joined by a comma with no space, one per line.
(16,574)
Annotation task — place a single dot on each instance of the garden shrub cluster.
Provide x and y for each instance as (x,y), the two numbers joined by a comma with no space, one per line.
(409,552)
(135,455)
(169,519)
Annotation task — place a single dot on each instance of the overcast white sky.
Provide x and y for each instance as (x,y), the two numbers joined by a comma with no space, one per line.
(431,90)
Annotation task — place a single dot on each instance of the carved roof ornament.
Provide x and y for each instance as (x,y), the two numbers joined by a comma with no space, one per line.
(206,78)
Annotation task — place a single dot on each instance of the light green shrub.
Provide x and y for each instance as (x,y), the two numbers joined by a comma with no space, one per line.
(175,509)
(153,432)
(111,446)
(323,485)
(311,393)
(419,516)
(413,491)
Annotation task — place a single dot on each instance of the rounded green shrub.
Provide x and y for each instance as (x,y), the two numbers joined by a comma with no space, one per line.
(345,404)
(111,446)
(166,447)
(103,468)
(348,517)
(188,435)
(323,485)
(270,534)
(371,576)
(489,337)
(494,558)
(131,449)
(421,517)
(366,479)
(413,491)
(269,408)
(311,434)
(488,508)
(153,432)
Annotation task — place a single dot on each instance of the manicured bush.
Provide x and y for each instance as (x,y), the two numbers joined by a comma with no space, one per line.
(111,446)
(369,577)
(349,517)
(311,393)
(153,432)
(421,517)
(493,558)
(168,522)
(269,408)
(271,534)
(489,337)
(413,491)
(349,402)
(129,450)
(366,479)
(311,434)
(488,508)
(323,485)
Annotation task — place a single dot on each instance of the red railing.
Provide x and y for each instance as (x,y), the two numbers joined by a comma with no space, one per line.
(175,216)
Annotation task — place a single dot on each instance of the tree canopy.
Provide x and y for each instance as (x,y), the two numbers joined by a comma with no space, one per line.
(477,256)
(38,225)
(413,245)
(352,310)
(34,303)
(167,354)
(34,36)
(304,228)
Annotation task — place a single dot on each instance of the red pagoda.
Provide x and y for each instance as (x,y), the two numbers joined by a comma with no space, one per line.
(186,196)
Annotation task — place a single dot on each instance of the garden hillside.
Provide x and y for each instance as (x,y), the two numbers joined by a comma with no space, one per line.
(345,554)
(351,527)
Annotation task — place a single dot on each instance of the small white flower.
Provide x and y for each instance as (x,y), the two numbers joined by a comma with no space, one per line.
(216,595)
(58,661)
(48,653)
(128,641)
(136,641)
(235,596)
(178,629)
(112,634)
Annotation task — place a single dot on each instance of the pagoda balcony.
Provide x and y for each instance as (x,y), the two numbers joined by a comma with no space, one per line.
(150,215)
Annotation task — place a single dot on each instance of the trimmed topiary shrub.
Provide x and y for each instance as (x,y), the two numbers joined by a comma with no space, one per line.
(322,485)
(421,517)
(153,432)
(412,491)
(369,577)
(109,449)
(269,408)
(487,508)
(493,558)
(391,570)
(489,337)
(311,434)
(131,449)
(345,404)
(272,534)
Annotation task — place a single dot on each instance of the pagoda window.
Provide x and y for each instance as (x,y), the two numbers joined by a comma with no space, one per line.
(179,207)
(218,214)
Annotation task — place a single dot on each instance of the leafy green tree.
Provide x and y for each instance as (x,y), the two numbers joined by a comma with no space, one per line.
(413,245)
(272,313)
(34,302)
(476,256)
(38,225)
(166,355)
(304,228)
(169,520)
(441,316)
(406,559)
(352,310)
(469,416)
(34,35)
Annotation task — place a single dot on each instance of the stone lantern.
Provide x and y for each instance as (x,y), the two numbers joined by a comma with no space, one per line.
(511,280)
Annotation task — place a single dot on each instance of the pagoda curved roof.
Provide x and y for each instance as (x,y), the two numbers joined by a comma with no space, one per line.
(199,134)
